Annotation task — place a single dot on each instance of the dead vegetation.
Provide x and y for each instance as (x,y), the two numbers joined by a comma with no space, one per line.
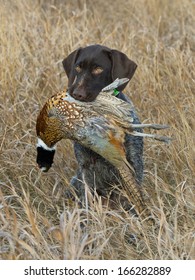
(37,219)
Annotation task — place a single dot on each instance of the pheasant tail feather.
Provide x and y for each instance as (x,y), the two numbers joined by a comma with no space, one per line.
(133,192)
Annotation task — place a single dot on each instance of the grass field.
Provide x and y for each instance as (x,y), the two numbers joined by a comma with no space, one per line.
(37,220)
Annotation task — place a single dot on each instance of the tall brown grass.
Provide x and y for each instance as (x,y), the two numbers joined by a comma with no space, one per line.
(37,219)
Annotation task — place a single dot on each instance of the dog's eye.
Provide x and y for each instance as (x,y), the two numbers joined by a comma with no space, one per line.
(78,69)
(97,71)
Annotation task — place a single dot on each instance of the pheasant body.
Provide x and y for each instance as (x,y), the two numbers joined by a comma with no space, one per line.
(100,125)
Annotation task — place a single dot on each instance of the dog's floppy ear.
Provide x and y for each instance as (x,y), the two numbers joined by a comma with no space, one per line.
(68,64)
(122,67)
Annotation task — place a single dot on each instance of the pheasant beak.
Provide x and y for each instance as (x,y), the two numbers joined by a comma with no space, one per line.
(44,168)
(45,155)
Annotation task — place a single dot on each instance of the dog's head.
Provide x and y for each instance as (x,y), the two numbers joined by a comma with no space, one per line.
(92,68)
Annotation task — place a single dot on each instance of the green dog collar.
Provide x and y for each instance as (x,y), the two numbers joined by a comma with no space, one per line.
(116,92)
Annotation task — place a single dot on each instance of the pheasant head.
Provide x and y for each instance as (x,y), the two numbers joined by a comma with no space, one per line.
(55,122)
(48,135)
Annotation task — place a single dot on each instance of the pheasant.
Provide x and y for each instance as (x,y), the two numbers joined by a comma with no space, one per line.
(100,125)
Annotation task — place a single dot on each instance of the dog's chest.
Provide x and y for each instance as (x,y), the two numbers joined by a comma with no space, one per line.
(97,171)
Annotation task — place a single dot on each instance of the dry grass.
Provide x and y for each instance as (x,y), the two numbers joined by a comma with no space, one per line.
(37,221)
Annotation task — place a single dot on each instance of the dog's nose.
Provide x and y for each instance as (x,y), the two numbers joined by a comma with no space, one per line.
(79,94)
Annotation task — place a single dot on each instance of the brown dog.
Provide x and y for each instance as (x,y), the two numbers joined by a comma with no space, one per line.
(92,68)
(89,70)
